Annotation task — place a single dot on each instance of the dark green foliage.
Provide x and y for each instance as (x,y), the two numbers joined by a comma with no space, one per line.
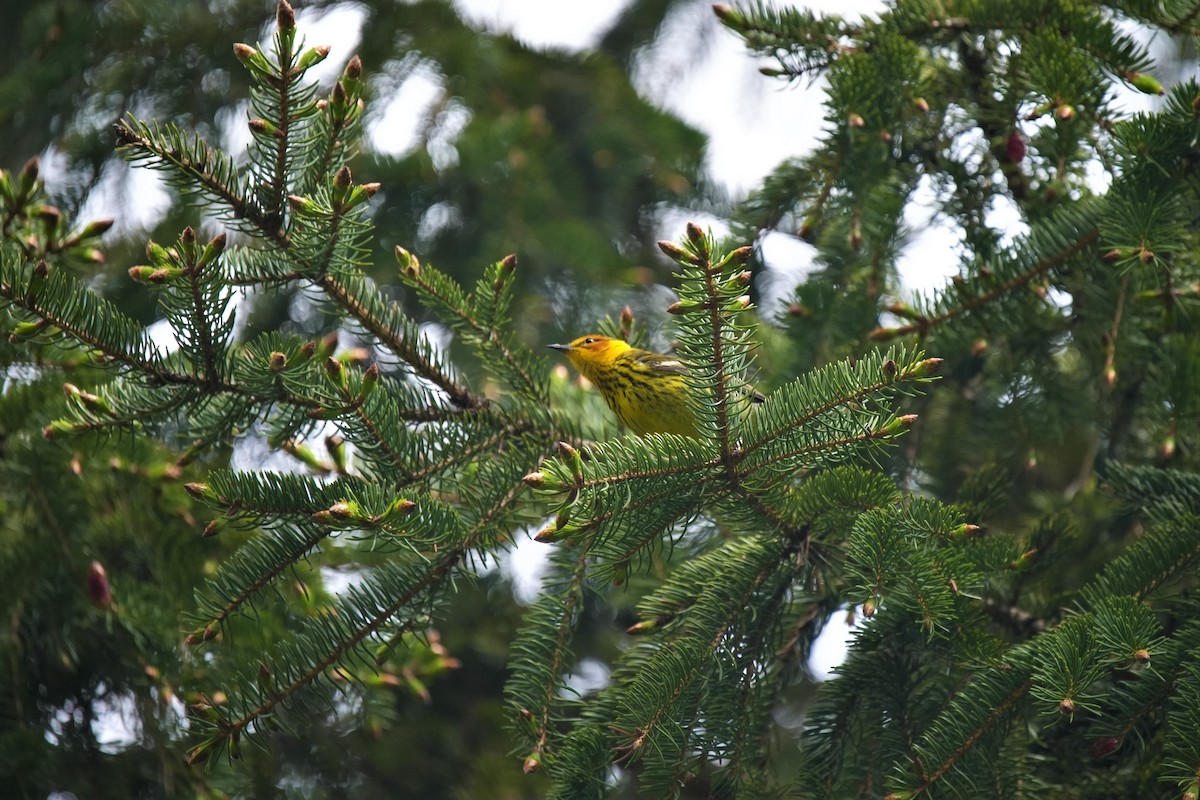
(1017,540)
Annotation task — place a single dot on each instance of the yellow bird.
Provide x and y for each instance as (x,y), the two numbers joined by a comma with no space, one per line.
(645,390)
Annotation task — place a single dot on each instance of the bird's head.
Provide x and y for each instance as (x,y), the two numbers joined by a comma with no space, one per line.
(591,352)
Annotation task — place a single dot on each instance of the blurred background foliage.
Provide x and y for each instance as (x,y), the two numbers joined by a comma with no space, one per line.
(550,154)
(485,146)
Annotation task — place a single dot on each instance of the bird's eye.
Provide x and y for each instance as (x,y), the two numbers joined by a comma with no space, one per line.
(589,340)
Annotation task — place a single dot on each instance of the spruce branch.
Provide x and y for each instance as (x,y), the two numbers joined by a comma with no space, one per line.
(995,716)
(293,549)
(387,325)
(360,627)
(441,292)
(196,167)
(923,325)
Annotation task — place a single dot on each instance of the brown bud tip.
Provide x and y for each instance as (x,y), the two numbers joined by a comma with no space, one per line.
(198,491)
(244,52)
(371,188)
(29,172)
(409,263)
(343,178)
(307,349)
(889,369)
(907,419)
(798,310)
(322,50)
(743,301)
(626,317)
(1113,255)
(340,510)
(49,432)
(354,68)
(1065,111)
(722,11)
(99,592)
(922,105)
(333,368)
(534,480)
(1103,747)
(259,125)
(673,251)
(855,120)
(1166,450)
(71,390)
(285,16)
(546,535)
(98,226)
(695,234)
(1145,256)
(743,254)
(211,529)
(1142,656)
(188,236)
(278,361)
(297,203)
(405,507)
(927,367)
(868,609)
(525,713)
(1014,147)
(1066,706)
(567,451)
(979,347)
(676,308)
(339,93)
(885,136)
(49,214)
(509,263)
(531,765)
(1110,376)
(41,269)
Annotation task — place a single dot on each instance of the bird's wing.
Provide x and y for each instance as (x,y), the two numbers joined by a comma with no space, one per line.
(656,362)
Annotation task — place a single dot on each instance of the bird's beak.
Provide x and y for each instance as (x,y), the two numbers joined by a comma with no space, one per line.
(566,348)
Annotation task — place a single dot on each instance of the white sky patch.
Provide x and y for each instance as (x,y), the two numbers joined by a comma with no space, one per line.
(163,335)
(437,219)
(233,124)
(1004,215)
(703,73)
(590,675)
(788,259)
(525,565)
(136,198)
(396,120)
(934,249)
(338,581)
(544,23)
(830,648)
(338,27)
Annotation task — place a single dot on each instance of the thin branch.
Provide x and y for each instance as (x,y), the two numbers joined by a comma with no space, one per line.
(924,325)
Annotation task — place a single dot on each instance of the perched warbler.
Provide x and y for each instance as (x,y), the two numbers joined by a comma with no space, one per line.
(645,390)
